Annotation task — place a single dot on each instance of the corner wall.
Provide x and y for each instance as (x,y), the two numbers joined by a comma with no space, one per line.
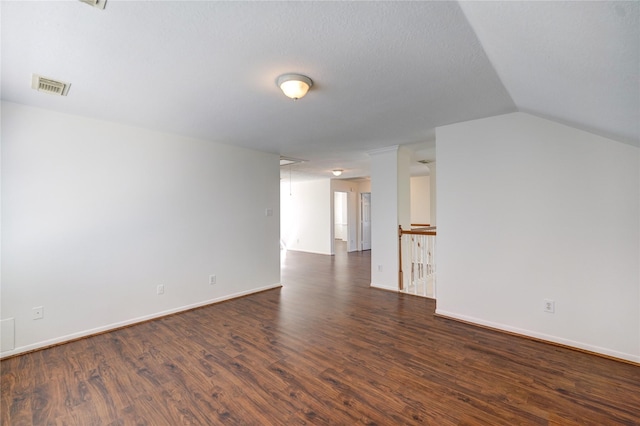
(390,207)
(306,216)
(96,215)
(529,210)
(420,204)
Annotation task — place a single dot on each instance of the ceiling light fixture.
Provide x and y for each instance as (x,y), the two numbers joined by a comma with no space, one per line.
(294,86)
(337,172)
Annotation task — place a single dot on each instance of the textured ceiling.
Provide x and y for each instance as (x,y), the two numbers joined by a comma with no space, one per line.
(574,62)
(385,73)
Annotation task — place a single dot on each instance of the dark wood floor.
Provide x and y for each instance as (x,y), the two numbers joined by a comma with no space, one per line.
(324,349)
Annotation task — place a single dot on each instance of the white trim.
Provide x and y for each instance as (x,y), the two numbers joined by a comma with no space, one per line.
(393,148)
(384,287)
(542,336)
(114,326)
(310,251)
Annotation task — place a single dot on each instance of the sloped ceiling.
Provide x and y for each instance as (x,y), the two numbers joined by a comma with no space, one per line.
(384,73)
(573,62)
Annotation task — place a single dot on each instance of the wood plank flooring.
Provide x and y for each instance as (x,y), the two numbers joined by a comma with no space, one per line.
(325,349)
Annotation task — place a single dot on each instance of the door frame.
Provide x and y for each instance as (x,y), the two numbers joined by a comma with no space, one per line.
(362,221)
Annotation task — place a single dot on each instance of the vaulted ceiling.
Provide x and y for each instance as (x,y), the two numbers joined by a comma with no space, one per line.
(384,73)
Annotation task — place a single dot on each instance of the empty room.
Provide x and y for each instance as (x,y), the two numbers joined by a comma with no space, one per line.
(309,212)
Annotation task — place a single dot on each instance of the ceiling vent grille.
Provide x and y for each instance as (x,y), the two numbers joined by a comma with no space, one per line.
(100,4)
(288,161)
(48,85)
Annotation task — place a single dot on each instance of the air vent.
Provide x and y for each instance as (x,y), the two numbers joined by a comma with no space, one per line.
(100,4)
(287,161)
(48,85)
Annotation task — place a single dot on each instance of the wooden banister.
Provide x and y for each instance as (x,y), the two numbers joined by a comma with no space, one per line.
(427,230)
(419,232)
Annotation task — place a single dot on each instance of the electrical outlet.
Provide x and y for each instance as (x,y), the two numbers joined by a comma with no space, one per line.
(212,279)
(160,289)
(549,306)
(379,268)
(37,313)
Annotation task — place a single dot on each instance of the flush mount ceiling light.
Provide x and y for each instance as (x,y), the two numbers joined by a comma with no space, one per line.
(294,86)
(337,172)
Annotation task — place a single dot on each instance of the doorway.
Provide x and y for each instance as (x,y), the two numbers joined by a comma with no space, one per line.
(340,221)
(365,221)
(344,221)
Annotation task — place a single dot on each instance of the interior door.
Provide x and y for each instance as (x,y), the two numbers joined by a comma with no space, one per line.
(365,219)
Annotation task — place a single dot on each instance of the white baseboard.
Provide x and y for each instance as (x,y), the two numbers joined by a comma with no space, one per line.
(541,336)
(384,287)
(310,251)
(114,326)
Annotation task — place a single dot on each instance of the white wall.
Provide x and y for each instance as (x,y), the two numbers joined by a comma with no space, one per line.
(433,196)
(351,217)
(528,210)
(96,215)
(420,205)
(306,216)
(363,187)
(390,207)
(340,216)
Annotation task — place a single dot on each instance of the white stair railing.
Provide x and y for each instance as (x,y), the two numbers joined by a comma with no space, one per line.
(417,273)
